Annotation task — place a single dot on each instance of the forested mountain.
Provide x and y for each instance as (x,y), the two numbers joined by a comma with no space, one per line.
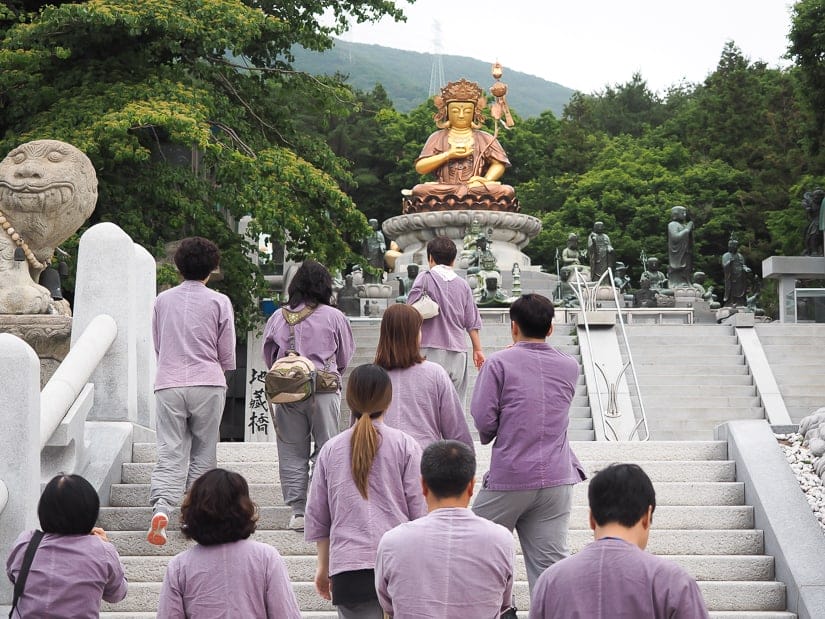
(405,75)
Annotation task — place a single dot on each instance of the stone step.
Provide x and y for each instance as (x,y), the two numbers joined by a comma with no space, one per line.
(690,357)
(667,517)
(790,390)
(618,452)
(700,567)
(678,382)
(662,542)
(700,401)
(690,414)
(721,344)
(796,341)
(718,595)
(675,350)
(667,493)
(645,368)
(676,389)
(582,435)
(267,472)
(697,331)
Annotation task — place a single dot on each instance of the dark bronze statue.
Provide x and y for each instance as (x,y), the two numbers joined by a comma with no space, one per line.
(812,203)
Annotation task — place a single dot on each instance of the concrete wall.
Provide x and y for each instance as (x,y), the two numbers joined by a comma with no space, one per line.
(792,534)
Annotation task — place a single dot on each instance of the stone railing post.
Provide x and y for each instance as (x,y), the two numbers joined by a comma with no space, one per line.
(19,443)
(106,284)
(145,293)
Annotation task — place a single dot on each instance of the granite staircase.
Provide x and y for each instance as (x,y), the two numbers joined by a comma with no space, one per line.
(691,378)
(701,522)
(795,355)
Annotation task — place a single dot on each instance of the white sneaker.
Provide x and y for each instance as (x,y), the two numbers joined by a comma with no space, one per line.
(157,531)
(296,522)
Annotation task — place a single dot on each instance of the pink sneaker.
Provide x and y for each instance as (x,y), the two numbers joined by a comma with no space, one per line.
(157,532)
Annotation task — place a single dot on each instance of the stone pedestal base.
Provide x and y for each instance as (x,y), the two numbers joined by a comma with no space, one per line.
(374,299)
(685,297)
(511,233)
(49,335)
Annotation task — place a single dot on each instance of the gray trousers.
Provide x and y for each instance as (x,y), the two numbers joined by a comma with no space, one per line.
(541,518)
(456,364)
(364,610)
(297,426)
(188,428)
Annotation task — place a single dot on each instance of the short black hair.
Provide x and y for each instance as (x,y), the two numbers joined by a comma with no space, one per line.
(196,257)
(69,505)
(533,313)
(442,250)
(620,493)
(312,285)
(447,467)
(217,509)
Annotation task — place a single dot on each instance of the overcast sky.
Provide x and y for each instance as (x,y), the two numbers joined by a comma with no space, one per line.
(587,44)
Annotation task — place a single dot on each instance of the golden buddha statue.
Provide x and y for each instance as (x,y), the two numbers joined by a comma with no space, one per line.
(468,162)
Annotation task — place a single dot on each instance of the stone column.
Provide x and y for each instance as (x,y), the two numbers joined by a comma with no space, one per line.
(19,443)
(145,293)
(106,285)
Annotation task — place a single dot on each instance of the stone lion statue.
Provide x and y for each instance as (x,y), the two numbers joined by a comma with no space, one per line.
(48,189)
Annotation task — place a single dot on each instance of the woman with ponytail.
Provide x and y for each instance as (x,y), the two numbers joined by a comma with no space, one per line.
(366,481)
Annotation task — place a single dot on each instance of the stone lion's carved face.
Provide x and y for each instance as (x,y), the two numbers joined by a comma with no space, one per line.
(48,189)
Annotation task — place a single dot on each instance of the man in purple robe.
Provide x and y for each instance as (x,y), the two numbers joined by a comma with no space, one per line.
(443,339)
(522,399)
(614,577)
(450,563)
(193,329)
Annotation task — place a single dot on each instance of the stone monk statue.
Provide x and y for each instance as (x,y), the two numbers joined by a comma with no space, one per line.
(733,264)
(467,162)
(600,251)
(679,248)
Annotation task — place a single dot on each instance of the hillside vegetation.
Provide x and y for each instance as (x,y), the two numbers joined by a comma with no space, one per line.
(405,75)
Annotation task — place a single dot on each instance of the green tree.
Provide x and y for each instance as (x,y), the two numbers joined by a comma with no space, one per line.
(192,118)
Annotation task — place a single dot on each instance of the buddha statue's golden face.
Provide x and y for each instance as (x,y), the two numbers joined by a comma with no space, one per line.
(460,114)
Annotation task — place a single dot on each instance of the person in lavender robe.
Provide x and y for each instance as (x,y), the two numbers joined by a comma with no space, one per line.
(226,574)
(442,337)
(75,565)
(425,404)
(322,334)
(365,483)
(463,564)
(521,399)
(613,577)
(194,335)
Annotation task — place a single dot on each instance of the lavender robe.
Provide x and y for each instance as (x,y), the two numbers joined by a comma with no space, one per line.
(614,579)
(425,405)
(522,398)
(451,563)
(354,525)
(193,330)
(457,312)
(69,576)
(322,336)
(238,579)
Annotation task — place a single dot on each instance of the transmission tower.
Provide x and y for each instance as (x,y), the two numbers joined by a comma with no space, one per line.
(437,72)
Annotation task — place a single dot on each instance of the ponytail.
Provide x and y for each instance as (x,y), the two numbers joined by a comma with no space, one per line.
(369,393)
(364,446)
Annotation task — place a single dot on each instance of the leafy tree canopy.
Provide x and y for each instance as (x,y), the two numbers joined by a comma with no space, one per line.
(192,118)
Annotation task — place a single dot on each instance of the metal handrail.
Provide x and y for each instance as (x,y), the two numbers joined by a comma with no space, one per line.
(587,301)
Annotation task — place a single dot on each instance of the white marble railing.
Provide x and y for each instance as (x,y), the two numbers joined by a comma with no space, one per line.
(68,381)
(86,416)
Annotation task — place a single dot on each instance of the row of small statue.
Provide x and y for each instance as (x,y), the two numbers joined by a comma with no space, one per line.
(655,288)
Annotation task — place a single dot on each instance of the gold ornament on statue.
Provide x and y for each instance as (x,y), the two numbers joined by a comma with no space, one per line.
(500,107)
